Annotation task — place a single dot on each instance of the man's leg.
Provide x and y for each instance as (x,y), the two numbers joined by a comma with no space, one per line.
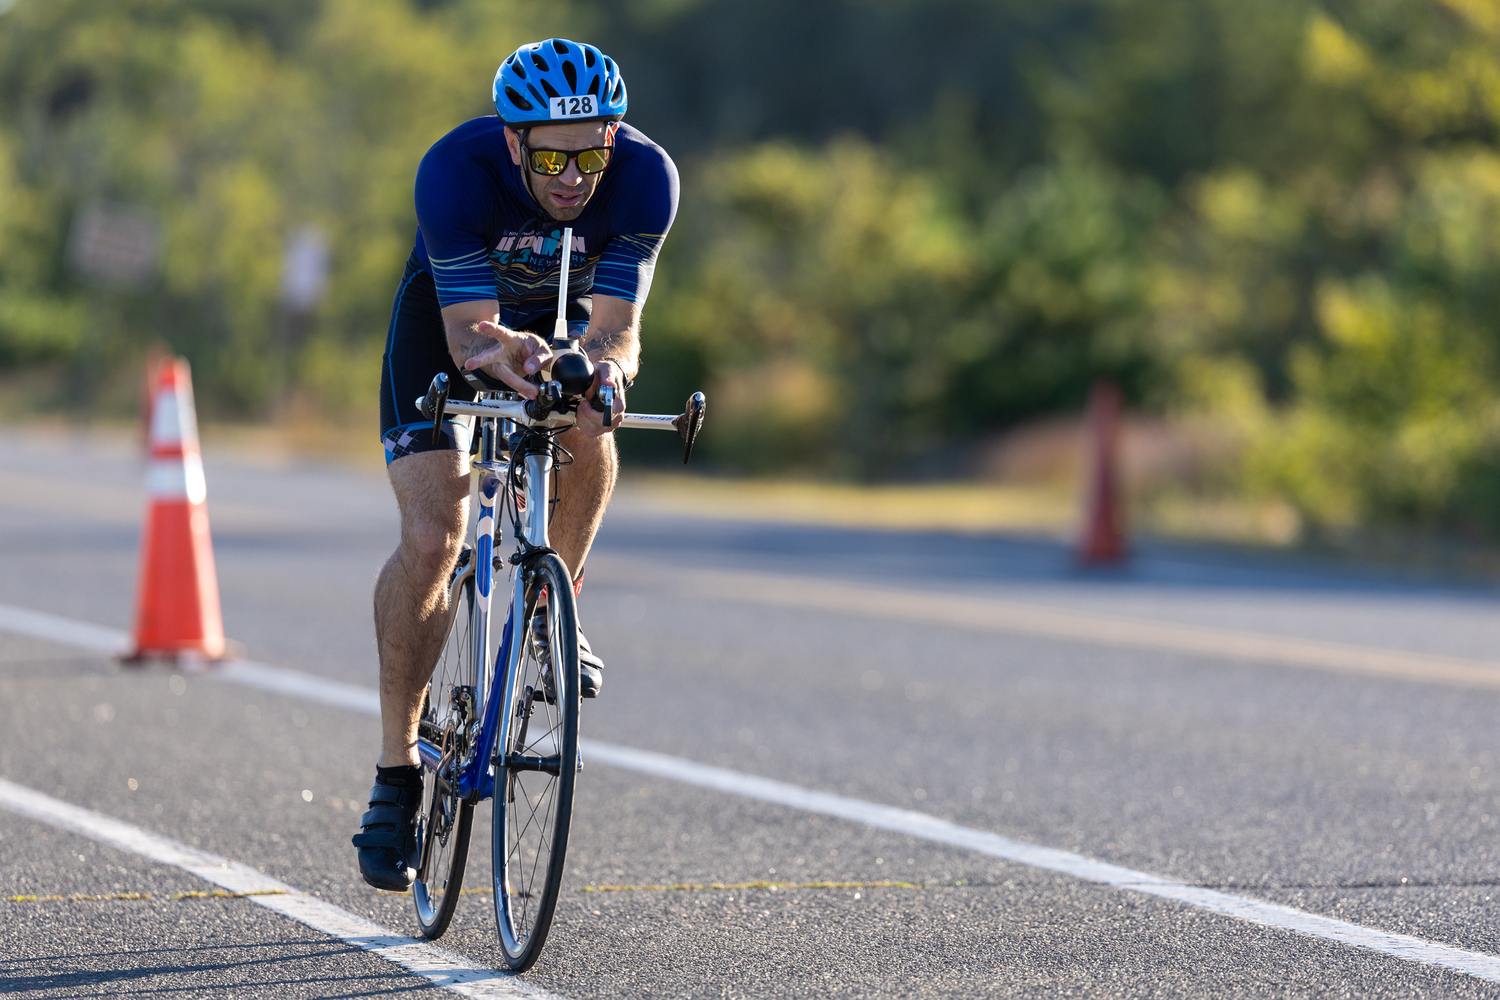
(411,597)
(411,594)
(583,489)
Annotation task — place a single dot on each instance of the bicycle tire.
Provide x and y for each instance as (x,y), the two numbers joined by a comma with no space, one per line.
(446,819)
(533,807)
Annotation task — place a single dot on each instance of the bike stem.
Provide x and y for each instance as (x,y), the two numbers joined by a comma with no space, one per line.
(560,327)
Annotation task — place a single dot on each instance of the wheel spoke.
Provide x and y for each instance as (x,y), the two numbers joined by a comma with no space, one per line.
(520,834)
(545,839)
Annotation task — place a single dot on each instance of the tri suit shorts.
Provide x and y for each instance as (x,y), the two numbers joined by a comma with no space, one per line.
(416,349)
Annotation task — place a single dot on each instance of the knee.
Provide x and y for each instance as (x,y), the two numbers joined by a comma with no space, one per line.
(432,491)
(433,537)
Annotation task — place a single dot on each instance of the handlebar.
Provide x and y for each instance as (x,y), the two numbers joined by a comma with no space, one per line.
(436,405)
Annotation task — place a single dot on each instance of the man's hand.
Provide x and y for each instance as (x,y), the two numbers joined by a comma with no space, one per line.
(514,356)
(590,420)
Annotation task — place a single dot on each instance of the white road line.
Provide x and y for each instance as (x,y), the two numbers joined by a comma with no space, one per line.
(439,967)
(116,642)
(914,824)
(940,831)
(279,680)
(67,631)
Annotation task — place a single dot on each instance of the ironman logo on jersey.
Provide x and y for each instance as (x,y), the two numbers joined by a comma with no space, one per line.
(572,107)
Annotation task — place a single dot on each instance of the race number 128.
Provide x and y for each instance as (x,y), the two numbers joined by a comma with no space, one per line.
(572,107)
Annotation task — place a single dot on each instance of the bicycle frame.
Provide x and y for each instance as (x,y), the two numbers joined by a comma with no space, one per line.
(496,420)
(488,471)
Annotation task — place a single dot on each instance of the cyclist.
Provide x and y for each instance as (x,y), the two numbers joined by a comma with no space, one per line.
(492,197)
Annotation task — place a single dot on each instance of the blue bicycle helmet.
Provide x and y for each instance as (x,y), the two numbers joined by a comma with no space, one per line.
(547,83)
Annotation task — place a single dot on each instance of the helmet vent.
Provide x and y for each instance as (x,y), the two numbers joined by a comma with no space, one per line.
(518,100)
(588,57)
(609,66)
(551,91)
(619,91)
(540,100)
(539,62)
(559,46)
(572,74)
(594,86)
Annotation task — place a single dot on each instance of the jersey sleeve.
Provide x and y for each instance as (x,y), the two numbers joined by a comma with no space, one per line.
(628,262)
(454,200)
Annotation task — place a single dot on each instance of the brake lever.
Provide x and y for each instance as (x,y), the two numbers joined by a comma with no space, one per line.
(690,422)
(435,404)
(604,402)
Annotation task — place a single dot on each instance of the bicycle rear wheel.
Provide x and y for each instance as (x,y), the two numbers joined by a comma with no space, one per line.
(447,722)
(536,765)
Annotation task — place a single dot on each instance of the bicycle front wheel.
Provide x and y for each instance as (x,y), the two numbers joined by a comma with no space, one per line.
(536,765)
(446,722)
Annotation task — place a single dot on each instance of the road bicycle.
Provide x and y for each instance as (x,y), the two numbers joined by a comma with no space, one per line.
(504,726)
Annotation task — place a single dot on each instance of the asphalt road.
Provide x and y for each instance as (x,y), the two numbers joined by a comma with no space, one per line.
(1367,798)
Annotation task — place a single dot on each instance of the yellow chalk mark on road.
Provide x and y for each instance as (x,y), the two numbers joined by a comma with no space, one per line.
(771,886)
(703,886)
(1018,618)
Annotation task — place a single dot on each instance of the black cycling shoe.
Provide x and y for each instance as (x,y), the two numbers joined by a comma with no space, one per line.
(590,667)
(387,842)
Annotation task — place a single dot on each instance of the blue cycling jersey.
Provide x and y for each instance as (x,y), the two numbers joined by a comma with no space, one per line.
(481,235)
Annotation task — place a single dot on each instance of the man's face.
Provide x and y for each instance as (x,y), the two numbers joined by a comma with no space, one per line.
(563,196)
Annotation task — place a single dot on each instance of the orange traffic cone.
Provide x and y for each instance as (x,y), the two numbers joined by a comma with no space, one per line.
(177,605)
(1103,541)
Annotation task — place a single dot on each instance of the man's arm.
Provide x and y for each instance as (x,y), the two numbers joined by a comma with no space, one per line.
(614,334)
(476,339)
(613,342)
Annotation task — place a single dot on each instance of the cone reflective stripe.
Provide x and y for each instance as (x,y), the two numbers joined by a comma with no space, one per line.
(177,604)
(176,479)
(1103,541)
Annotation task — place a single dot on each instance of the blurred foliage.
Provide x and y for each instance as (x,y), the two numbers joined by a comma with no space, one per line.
(905,226)
(236,122)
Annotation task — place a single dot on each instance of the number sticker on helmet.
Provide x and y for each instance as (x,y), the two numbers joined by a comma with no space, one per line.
(573,107)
